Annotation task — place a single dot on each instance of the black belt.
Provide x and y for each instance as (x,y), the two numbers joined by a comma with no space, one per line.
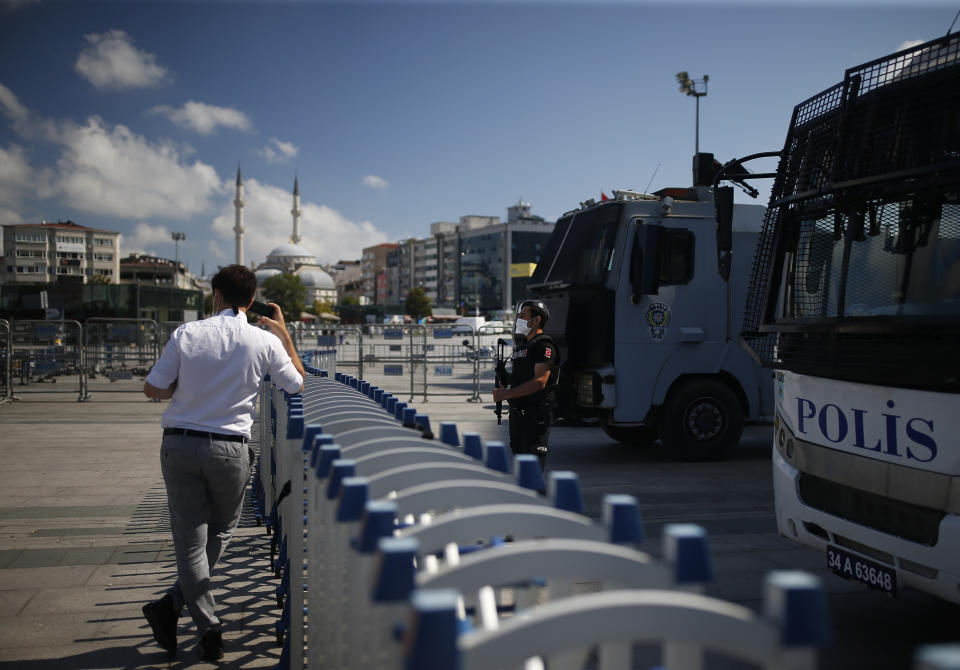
(189,432)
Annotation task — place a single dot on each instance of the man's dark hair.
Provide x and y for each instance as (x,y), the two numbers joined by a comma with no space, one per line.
(237,283)
(537,308)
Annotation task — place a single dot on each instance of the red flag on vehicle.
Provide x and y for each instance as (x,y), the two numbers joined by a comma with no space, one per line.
(603,196)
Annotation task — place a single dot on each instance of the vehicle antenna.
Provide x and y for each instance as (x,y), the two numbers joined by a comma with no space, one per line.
(651,178)
(954,22)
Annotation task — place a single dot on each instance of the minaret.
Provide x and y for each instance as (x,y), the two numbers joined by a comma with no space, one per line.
(296,211)
(238,226)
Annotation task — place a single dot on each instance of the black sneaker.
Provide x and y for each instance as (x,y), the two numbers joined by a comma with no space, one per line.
(211,645)
(162,617)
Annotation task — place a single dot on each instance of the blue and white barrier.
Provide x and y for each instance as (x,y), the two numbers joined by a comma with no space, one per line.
(785,637)
(386,519)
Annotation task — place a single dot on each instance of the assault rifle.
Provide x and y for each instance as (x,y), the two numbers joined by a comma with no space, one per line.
(502,378)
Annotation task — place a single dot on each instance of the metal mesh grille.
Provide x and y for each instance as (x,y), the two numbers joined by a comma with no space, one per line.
(858,260)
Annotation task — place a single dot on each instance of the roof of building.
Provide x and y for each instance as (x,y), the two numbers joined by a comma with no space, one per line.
(267,272)
(317,279)
(291,251)
(60,225)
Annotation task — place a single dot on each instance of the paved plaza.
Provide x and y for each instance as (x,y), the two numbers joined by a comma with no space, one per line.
(85,539)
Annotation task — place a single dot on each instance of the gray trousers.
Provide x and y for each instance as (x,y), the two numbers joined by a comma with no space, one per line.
(205,482)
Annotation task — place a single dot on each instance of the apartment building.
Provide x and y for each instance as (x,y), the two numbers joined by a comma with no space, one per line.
(479,263)
(373,265)
(46,252)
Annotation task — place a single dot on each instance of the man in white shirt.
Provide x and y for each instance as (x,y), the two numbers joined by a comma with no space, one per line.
(211,370)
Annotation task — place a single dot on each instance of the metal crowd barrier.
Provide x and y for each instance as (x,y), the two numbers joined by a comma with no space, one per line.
(322,359)
(375,519)
(6,362)
(119,353)
(410,359)
(46,357)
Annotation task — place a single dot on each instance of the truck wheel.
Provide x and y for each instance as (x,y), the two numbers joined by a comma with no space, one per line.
(631,434)
(702,420)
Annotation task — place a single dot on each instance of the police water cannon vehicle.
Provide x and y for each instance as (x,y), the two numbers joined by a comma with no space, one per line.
(855,303)
(646,293)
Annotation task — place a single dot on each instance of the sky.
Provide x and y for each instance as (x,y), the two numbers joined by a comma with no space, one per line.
(134,116)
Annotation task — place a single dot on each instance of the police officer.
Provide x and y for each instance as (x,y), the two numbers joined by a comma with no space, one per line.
(530,394)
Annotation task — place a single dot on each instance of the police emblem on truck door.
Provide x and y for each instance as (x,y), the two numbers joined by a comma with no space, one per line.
(657,317)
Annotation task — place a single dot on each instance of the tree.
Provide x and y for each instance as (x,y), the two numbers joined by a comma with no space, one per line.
(349,300)
(417,304)
(319,307)
(288,292)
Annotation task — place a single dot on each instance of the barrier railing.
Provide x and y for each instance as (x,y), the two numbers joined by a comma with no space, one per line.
(322,359)
(118,353)
(372,515)
(46,357)
(6,360)
(164,331)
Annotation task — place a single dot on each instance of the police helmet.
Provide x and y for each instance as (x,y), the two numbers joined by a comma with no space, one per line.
(538,308)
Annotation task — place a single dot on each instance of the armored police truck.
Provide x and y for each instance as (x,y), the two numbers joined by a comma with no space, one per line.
(646,294)
(855,302)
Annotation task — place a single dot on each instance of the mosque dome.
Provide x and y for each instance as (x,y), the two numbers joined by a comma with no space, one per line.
(317,279)
(287,252)
(266,273)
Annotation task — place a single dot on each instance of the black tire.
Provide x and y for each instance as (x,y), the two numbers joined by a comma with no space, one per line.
(702,420)
(642,435)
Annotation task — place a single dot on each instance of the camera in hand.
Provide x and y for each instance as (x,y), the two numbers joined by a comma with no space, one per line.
(261,309)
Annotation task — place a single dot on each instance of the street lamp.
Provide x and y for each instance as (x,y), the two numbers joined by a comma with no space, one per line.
(177,237)
(689,86)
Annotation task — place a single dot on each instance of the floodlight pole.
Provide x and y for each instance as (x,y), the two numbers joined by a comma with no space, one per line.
(689,86)
(176,253)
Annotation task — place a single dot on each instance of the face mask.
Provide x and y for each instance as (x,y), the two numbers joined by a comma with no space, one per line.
(522,328)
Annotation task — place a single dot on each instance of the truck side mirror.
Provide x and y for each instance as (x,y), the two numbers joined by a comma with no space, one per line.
(723,212)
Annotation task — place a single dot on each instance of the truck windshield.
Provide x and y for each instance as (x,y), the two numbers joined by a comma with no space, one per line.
(580,251)
(905,263)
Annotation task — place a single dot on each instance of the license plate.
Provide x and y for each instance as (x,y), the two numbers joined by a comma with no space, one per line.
(867,572)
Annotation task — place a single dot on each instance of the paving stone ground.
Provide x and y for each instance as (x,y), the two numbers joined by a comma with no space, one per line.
(85,538)
(85,542)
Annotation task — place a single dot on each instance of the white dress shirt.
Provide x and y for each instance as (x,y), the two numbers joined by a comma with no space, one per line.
(218,364)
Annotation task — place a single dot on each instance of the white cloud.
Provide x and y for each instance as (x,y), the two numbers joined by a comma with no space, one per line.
(147,239)
(203,118)
(16,182)
(901,66)
(111,61)
(268,223)
(16,175)
(108,170)
(12,107)
(909,44)
(116,172)
(22,121)
(279,152)
(373,181)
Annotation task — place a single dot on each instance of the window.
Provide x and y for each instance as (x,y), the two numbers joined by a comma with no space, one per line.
(676,257)
(30,237)
(102,242)
(31,253)
(103,257)
(581,250)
